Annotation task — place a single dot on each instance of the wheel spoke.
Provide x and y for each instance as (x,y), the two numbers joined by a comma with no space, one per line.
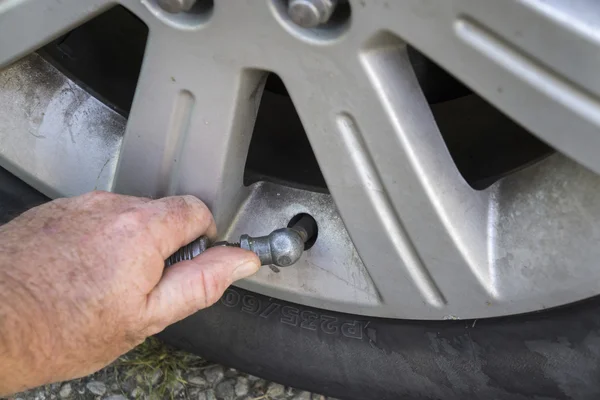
(408,211)
(56,136)
(26,25)
(535,60)
(189,128)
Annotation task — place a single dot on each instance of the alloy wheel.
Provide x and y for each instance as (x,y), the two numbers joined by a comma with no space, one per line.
(401,233)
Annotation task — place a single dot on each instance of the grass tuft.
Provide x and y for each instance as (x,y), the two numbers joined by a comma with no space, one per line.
(157,367)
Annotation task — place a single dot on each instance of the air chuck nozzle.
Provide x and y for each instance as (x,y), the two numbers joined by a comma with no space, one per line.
(282,247)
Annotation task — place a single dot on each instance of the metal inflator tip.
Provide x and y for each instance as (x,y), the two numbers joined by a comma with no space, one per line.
(282,247)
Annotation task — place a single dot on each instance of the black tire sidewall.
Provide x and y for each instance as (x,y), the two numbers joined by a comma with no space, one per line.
(552,354)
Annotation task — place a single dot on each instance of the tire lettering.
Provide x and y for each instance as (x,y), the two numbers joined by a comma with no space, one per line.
(353,330)
(329,324)
(231,298)
(309,320)
(250,304)
(271,308)
(293,316)
(290,315)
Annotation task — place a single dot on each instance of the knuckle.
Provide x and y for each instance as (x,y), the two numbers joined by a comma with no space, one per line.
(119,201)
(195,205)
(132,218)
(177,212)
(98,195)
(179,204)
(186,211)
(193,200)
(183,210)
(95,198)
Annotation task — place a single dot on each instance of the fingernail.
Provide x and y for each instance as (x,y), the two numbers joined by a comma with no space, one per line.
(244,270)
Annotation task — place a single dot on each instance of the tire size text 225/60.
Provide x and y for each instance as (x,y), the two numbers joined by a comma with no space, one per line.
(289,315)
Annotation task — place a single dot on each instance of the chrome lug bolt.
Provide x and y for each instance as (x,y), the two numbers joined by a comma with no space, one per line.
(310,13)
(176,6)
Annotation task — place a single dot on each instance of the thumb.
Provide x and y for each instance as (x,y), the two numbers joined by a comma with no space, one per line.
(189,286)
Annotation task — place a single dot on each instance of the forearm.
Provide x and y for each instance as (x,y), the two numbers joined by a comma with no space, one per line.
(16,344)
(11,365)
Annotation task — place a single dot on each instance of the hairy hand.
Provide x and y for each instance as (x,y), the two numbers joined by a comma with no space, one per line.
(82,281)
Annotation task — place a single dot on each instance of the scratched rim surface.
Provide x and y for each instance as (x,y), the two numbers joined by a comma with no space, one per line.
(402,234)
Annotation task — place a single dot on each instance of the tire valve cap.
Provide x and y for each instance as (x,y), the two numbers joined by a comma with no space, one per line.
(282,247)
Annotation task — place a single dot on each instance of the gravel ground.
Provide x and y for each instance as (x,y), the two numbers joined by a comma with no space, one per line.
(154,371)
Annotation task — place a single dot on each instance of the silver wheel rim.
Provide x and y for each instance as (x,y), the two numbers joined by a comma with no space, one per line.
(416,240)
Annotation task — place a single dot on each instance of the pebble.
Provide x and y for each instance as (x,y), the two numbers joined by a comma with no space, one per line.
(176,387)
(242,386)
(275,389)
(225,390)
(40,396)
(97,388)
(65,390)
(137,392)
(302,396)
(231,373)
(214,374)
(156,376)
(197,381)
(115,397)
(124,385)
(259,387)
(207,395)
(212,382)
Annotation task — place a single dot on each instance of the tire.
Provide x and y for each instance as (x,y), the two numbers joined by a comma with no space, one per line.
(16,196)
(551,354)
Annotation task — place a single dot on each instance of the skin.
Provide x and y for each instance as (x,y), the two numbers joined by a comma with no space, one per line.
(82,281)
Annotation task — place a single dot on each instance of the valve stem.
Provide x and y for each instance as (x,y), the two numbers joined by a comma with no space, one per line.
(282,247)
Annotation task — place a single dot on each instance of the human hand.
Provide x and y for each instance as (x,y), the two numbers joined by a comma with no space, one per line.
(82,281)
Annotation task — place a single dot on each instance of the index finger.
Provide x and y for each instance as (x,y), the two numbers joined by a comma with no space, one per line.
(176,221)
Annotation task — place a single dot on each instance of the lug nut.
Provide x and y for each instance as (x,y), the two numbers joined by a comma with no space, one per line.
(176,6)
(310,13)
